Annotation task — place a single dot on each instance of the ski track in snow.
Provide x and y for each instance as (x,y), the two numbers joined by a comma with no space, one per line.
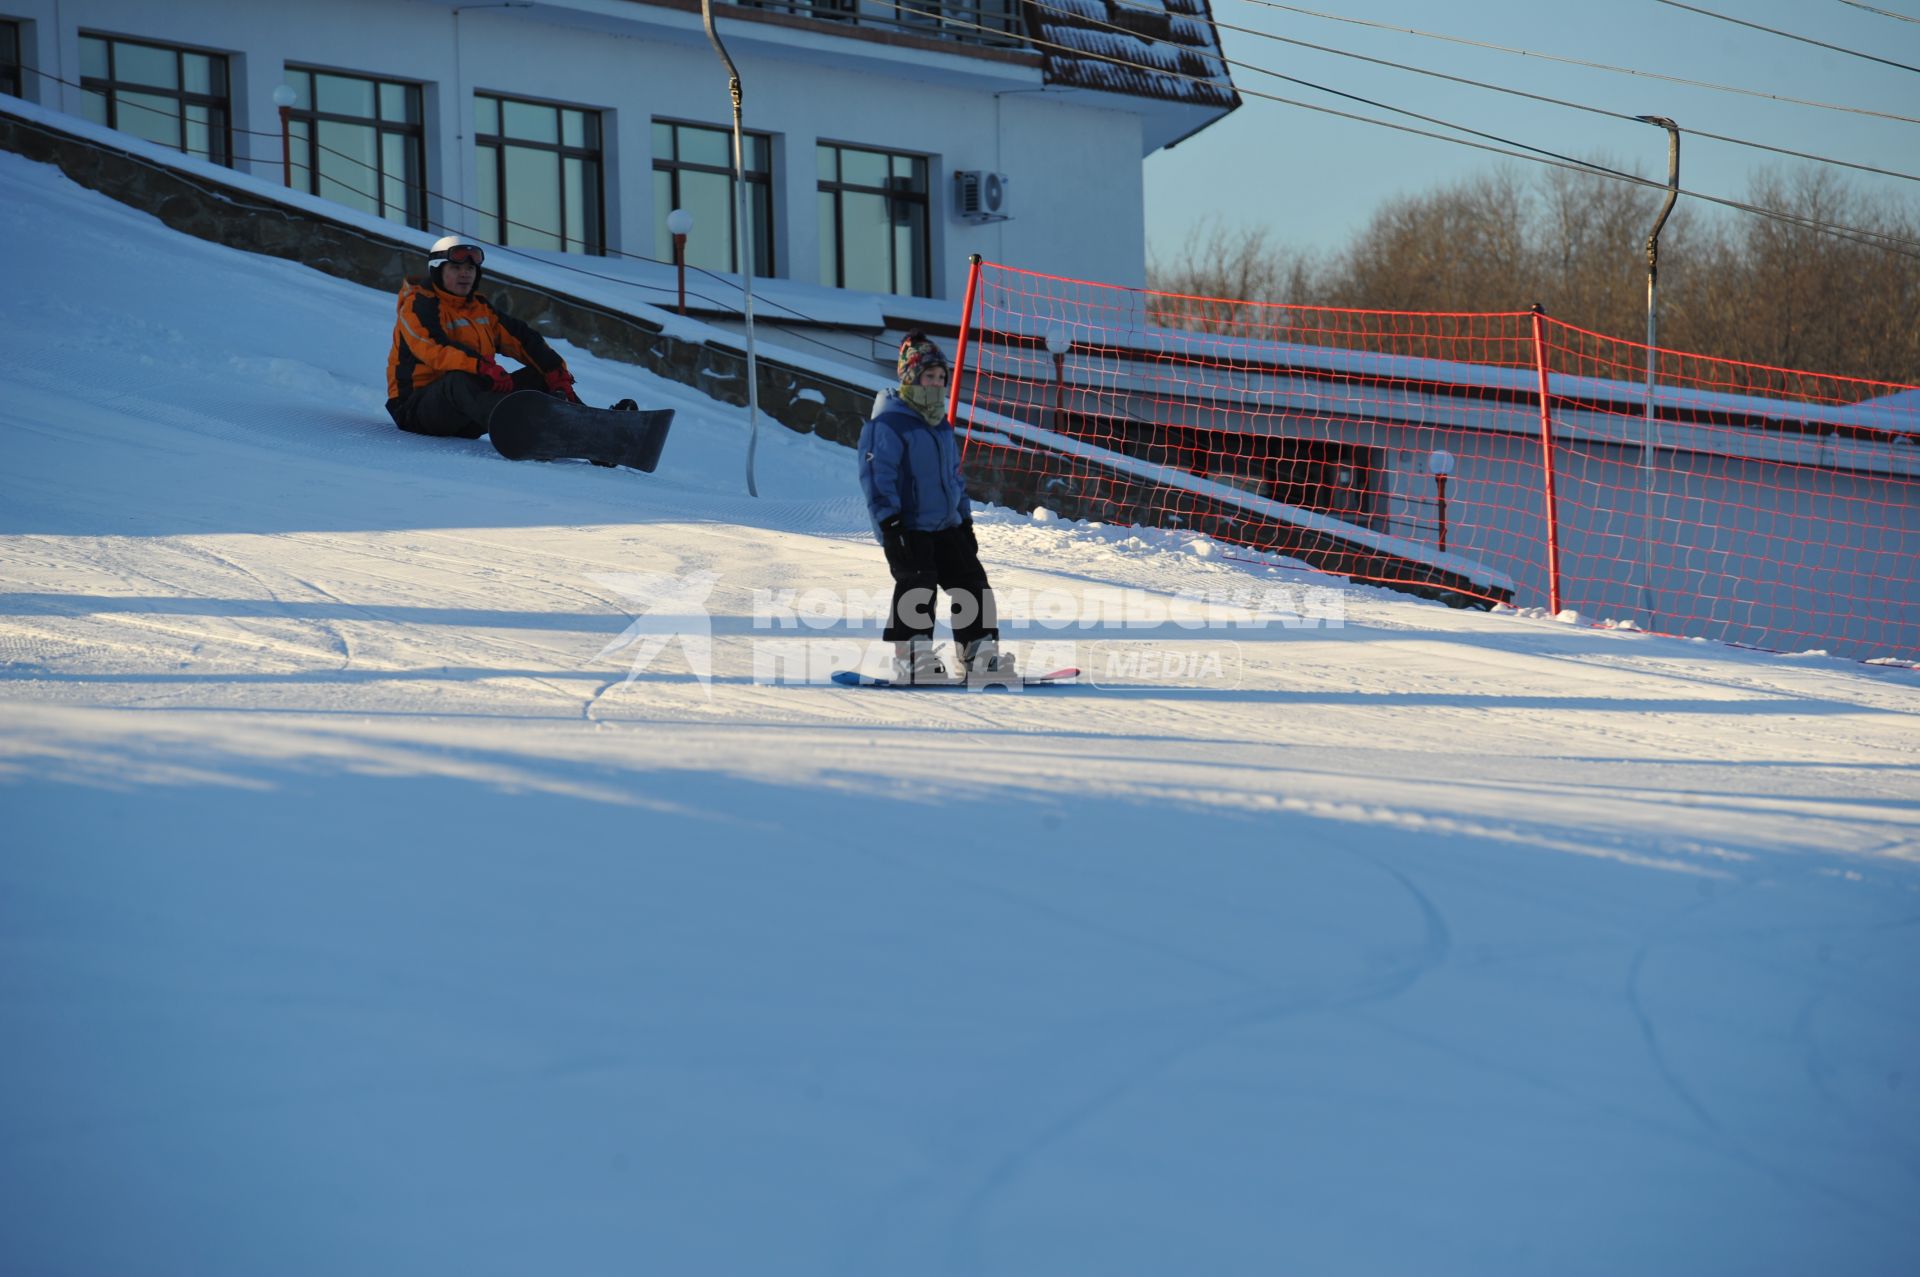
(349,872)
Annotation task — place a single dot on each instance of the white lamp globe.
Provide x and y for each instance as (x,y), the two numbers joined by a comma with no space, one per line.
(1058,342)
(679,222)
(1440,462)
(284,95)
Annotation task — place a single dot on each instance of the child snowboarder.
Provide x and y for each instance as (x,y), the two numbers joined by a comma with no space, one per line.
(910,473)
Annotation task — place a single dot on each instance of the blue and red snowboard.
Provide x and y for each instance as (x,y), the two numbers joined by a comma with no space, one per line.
(1058,678)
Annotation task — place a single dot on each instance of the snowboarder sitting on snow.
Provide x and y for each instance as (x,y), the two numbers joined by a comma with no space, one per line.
(442,378)
(910,472)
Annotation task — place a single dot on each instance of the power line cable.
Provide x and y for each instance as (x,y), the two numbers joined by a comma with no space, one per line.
(1538,155)
(1535,97)
(1333,92)
(1885,13)
(1891,243)
(1581,62)
(1742,22)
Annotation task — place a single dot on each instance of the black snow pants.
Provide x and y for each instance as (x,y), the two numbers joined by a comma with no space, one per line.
(923,562)
(458,404)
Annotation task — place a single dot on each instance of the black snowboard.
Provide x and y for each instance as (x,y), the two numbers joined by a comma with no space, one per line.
(530,426)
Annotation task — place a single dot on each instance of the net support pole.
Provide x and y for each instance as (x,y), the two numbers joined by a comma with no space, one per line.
(1653,316)
(960,347)
(1546,459)
(742,259)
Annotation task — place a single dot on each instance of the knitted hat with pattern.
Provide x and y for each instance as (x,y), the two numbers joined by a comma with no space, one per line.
(917,355)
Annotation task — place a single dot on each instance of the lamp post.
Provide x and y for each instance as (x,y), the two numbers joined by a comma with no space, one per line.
(1653,279)
(284,98)
(1440,465)
(742,249)
(1058,344)
(680,225)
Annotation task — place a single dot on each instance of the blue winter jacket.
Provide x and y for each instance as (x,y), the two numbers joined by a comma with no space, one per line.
(911,469)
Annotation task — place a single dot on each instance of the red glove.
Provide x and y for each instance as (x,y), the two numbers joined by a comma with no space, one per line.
(497,379)
(560,382)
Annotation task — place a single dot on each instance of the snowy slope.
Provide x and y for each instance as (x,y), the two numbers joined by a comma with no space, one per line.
(357,915)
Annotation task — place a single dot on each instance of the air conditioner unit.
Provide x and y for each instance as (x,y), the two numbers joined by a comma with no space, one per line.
(979,196)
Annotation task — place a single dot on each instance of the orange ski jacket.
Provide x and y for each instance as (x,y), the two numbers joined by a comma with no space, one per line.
(436,332)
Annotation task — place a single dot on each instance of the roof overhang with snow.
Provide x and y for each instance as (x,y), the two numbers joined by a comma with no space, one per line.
(1163,54)
(1157,59)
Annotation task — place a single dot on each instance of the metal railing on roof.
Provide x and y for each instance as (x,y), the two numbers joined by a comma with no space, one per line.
(994,23)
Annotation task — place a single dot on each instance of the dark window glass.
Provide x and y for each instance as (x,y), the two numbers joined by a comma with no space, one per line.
(202,74)
(534,198)
(711,147)
(11,77)
(539,170)
(93,57)
(174,97)
(399,103)
(693,170)
(530,122)
(345,95)
(150,116)
(146,64)
(863,168)
(358,141)
(874,221)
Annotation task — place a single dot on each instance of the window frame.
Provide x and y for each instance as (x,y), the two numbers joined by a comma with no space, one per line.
(415,133)
(838,186)
(111,87)
(596,244)
(760,186)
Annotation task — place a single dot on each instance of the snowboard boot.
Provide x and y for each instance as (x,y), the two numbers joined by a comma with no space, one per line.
(915,661)
(983,659)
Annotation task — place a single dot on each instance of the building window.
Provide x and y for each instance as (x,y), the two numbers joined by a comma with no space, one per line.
(359,142)
(539,175)
(11,78)
(175,97)
(693,169)
(873,221)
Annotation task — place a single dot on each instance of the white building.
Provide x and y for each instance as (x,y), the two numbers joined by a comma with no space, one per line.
(579,124)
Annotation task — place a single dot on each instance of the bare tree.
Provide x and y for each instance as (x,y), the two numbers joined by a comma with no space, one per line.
(1767,291)
(1463,247)
(1224,273)
(1795,296)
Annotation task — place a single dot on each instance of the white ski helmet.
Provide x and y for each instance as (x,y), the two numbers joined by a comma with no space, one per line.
(460,248)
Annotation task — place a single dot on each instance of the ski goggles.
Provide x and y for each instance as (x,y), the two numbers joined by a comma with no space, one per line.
(463,255)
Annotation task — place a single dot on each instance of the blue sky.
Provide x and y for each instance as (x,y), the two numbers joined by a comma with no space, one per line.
(1314,179)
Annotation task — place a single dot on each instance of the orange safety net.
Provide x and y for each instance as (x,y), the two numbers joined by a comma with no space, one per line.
(1479,458)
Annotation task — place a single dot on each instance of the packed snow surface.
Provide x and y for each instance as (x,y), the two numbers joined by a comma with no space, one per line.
(395,879)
